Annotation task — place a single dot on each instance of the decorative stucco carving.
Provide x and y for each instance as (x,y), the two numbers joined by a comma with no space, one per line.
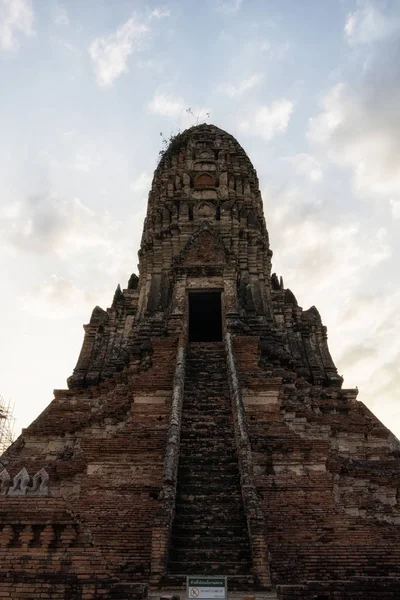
(20,483)
(40,483)
(4,482)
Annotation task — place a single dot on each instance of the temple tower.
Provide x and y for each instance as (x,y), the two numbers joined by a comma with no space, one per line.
(204,232)
(205,429)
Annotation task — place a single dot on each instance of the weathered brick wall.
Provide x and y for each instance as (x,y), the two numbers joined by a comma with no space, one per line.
(368,589)
(327,474)
(46,552)
(103,448)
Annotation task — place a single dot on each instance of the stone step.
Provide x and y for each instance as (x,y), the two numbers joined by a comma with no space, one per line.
(216,409)
(206,496)
(197,400)
(209,469)
(211,361)
(213,524)
(200,474)
(195,447)
(215,460)
(214,364)
(218,443)
(210,382)
(215,425)
(210,555)
(199,347)
(206,403)
(215,568)
(219,417)
(204,354)
(211,488)
(207,540)
(215,379)
(195,476)
(212,378)
(197,453)
(203,392)
(204,458)
(212,385)
(209,510)
(216,367)
(201,368)
(201,480)
(207,394)
(204,435)
(184,527)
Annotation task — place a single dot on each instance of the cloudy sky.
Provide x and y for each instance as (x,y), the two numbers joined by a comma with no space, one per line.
(310,88)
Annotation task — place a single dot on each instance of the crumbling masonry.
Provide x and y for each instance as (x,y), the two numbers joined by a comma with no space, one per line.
(205,428)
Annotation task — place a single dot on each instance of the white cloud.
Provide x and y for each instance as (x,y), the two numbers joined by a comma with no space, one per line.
(159,13)
(395,204)
(43,224)
(142,183)
(305,164)
(324,260)
(368,24)
(372,363)
(359,128)
(166,105)
(274,51)
(62,17)
(175,107)
(16,16)
(84,161)
(57,298)
(228,6)
(318,249)
(381,391)
(311,246)
(110,53)
(265,46)
(268,121)
(358,353)
(243,86)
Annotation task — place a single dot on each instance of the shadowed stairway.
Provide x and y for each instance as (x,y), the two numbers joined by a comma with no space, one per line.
(209,534)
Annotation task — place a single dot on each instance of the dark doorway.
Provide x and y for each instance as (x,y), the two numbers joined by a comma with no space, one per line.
(205,317)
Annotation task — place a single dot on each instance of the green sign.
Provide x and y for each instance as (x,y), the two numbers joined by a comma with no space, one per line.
(206,588)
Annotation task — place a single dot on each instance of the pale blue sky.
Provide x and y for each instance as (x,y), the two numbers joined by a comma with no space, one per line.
(310,88)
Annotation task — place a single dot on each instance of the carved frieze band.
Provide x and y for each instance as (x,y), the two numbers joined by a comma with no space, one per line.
(23,484)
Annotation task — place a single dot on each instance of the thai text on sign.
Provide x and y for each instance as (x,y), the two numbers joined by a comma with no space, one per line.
(206,588)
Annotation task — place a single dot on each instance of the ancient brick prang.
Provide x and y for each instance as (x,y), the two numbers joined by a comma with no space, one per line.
(205,428)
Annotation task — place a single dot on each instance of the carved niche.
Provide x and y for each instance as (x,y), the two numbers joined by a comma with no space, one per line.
(204,180)
(205,211)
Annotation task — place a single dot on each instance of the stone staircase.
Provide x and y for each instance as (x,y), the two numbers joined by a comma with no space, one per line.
(209,534)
